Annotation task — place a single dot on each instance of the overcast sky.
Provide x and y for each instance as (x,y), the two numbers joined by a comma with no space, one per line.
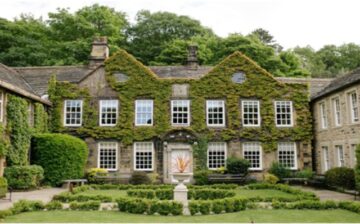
(291,22)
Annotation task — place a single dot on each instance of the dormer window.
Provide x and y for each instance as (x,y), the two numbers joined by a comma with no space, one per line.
(239,77)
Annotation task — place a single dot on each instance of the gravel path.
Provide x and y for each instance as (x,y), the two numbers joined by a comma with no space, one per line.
(324,194)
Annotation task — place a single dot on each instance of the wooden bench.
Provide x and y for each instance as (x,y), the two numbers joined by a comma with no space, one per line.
(296,179)
(227,178)
(70,183)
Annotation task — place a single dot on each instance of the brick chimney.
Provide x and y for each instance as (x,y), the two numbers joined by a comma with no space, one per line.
(192,60)
(99,51)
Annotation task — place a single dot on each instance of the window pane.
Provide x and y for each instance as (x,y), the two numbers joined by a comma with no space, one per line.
(144,112)
(143,155)
(108,155)
(283,113)
(215,112)
(216,155)
(287,154)
(250,113)
(73,112)
(180,112)
(108,112)
(252,153)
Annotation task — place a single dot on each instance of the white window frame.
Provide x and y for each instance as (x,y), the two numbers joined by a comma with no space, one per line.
(291,113)
(101,104)
(116,146)
(340,155)
(187,102)
(152,111)
(81,114)
(323,115)
(223,113)
(258,144)
(337,111)
(152,156)
(257,102)
(295,167)
(326,158)
(354,107)
(208,154)
(2,106)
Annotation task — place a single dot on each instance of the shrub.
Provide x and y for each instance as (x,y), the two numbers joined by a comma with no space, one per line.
(140,206)
(305,173)
(201,177)
(357,168)
(340,177)
(164,207)
(218,206)
(149,194)
(54,205)
(27,206)
(3,187)
(177,208)
(24,177)
(237,166)
(194,207)
(139,177)
(68,197)
(62,156)
(85,206)
(210,194)
(93,172)
(205,207)
(279,170)
(270,178)
(5,213)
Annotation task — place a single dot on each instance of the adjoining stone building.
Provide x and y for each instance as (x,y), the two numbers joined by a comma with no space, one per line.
(336,123)
(135,117)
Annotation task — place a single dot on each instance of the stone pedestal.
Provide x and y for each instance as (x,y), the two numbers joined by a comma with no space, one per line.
(181,191)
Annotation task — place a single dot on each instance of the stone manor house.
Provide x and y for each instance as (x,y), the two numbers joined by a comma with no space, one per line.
(140,118)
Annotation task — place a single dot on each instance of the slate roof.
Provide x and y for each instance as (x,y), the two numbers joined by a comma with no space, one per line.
(339,83)
(38,77)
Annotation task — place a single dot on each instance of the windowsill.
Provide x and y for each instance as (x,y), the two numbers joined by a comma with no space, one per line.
(180,125)
(284,126)
(216,126)
(255,169)
(144,125)
(104,125)
(72,126)
(149,170)
(251,126)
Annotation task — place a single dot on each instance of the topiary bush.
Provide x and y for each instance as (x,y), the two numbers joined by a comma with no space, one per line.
(62,156)
(3,187)
(93,173)
(270,178)
(24,177)
(237,166)
(279,170)
(340,177)
(139,177)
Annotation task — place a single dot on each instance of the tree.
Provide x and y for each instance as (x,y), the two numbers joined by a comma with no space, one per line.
(154,31)
(310,61)
(265,37)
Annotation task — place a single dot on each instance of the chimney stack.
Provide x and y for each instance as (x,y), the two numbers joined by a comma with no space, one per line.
(99,51)
(192,60)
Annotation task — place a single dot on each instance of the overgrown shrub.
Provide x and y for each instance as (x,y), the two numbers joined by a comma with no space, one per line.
(85,206)
(270,178)
(201,177)
(305,173)
(139,177)
(237,166)
(3,187)
(24,177)
(93,172)
(27,206)
(279,170)
(62,156)
(53,205)
(340,177)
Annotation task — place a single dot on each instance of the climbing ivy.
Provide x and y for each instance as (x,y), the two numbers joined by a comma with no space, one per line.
(19,130)
(200,154)
(217,84)
(40,118)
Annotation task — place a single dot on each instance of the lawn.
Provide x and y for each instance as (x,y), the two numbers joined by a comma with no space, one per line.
(274,216)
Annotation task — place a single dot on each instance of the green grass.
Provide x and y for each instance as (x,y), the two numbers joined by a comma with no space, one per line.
(274,216)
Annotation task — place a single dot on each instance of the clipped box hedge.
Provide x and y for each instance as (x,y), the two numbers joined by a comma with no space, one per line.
(24,177)
(146,206)
(62,156)
(3,187)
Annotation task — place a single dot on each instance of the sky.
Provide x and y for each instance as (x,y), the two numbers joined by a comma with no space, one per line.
(291,22)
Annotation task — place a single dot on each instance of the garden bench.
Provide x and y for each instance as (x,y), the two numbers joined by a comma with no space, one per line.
(113,179)
(296,179)
(70,183)
(353,192)
(229,178)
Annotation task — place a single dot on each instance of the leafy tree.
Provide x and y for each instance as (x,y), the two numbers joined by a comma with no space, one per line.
(265,37)
(310,61)
(154,31)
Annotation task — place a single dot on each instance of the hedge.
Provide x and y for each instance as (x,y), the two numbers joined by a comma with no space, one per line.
(68,197)
(217,206)
(24,177)
(343,177)
(3,187)
(62,156)
(85,206)
(357,168)
(142,206)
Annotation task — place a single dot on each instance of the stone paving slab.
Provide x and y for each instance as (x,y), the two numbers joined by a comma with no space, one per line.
(324,194)
(44,195)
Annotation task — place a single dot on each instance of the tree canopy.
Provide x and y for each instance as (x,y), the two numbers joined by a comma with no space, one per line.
(158,38)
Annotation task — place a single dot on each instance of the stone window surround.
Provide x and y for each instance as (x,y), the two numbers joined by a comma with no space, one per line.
(152,156)
(260,155)
(349,107)
(326,163)
(324,124)
(337,113)
(81,111)
(291,113)
(340,155)
(295,167)
(100,111)
(116,154)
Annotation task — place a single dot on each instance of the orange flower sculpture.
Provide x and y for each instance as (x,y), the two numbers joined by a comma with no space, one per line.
(182,163)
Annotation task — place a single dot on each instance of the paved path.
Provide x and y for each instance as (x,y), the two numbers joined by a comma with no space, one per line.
(44,195)
(324,194)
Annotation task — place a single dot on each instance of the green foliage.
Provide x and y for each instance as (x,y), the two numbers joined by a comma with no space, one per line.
(93,172)
(3,187)
(62,156)
(139,177)
(270,178)
(27,206)
(349,205)
(24,177)
(340,177)
(68,197)
(279,170)
(53,205)
(305,173)
(85,206)
(218,206)
(5,213)
(4,146)
(40,118)
(318,205)
(18,126)
(201,177)
(357,168)
(141,206)
(237,166)
(200,154)
(209,194)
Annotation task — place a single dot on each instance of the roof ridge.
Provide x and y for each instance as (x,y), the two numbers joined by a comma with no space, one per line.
(47,67)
